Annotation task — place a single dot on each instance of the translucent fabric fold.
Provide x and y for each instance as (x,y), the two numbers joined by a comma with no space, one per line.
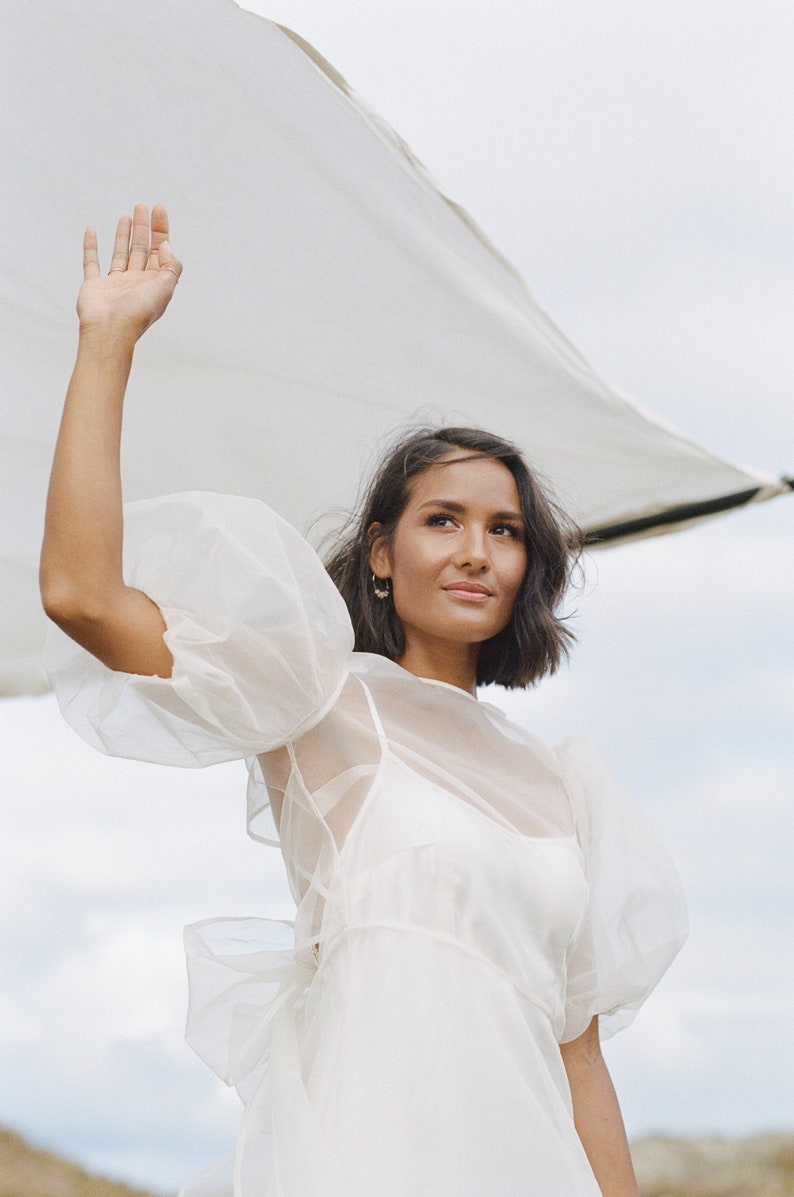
(344,293)
(260,637)
(636,920)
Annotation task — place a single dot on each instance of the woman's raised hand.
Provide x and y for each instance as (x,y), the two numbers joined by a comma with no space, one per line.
(141,280)
(82,578)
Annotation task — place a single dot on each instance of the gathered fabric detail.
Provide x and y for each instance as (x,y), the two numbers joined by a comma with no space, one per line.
(241,971)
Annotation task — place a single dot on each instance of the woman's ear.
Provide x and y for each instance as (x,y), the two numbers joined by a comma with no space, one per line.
(379,557)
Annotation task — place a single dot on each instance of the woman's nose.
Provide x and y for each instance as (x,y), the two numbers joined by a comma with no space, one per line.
(472,552)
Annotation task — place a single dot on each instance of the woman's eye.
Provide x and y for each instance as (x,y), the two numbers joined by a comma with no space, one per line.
(439,520)
(511,530)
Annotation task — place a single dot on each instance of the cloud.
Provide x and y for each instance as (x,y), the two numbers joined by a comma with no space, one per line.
(714,1031)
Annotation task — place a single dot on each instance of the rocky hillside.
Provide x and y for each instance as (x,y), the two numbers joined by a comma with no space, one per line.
(759,1167)
(26,1172)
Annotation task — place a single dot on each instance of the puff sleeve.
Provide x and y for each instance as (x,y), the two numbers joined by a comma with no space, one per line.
(260,637)
(636,919)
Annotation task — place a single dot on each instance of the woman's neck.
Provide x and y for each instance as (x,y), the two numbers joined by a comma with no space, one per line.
(455,664)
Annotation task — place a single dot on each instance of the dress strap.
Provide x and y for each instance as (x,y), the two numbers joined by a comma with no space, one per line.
(376,720)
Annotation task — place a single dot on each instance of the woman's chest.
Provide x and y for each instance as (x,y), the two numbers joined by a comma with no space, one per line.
(491,871)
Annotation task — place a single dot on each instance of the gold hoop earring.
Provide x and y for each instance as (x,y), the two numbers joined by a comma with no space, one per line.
(381,587)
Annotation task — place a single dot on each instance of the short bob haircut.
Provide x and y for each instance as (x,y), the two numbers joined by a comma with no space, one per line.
(536,640)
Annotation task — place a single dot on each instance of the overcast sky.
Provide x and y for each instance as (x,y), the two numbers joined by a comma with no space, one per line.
(634,161)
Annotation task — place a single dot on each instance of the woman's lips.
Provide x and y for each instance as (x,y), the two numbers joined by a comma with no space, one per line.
(471,592)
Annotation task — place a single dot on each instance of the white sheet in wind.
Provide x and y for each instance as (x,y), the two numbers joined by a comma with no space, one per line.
(331,292)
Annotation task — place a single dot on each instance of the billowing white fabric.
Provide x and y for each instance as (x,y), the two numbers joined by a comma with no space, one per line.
(223,611)
(466,897)
(331,291)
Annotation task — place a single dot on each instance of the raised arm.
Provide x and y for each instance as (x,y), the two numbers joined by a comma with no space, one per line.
(82,582)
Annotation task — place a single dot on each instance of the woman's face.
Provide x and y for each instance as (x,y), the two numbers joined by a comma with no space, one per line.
(458,554)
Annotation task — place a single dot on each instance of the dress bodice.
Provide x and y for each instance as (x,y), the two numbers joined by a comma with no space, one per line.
(389,837)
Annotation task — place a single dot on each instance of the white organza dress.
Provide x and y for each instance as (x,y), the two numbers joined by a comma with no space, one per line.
(467,899)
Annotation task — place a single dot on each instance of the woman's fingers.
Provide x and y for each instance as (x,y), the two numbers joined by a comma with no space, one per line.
(159,234)
(121,245)
(146,274)
(139,245)
(90,255)
(167,263)
(138,240)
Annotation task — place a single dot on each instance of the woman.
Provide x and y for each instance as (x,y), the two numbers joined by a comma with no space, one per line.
(470,904)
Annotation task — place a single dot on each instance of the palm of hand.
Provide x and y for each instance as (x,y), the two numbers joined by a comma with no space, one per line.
(142,277)
(134,298)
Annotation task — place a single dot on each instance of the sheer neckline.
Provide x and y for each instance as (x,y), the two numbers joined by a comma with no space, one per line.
(378,664)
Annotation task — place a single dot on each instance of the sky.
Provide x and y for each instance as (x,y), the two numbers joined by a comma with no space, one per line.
(634,161)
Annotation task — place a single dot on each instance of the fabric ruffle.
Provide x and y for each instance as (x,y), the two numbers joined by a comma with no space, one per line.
(260,636)
(636,919)
(241,971)
(248,983)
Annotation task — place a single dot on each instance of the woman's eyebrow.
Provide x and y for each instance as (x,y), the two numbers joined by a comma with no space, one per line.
(450,504)
(460,508)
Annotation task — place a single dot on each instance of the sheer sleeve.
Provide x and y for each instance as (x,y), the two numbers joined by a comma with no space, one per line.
(260,637)
(636,918)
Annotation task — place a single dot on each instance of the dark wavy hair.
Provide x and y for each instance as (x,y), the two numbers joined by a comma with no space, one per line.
(537,639)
